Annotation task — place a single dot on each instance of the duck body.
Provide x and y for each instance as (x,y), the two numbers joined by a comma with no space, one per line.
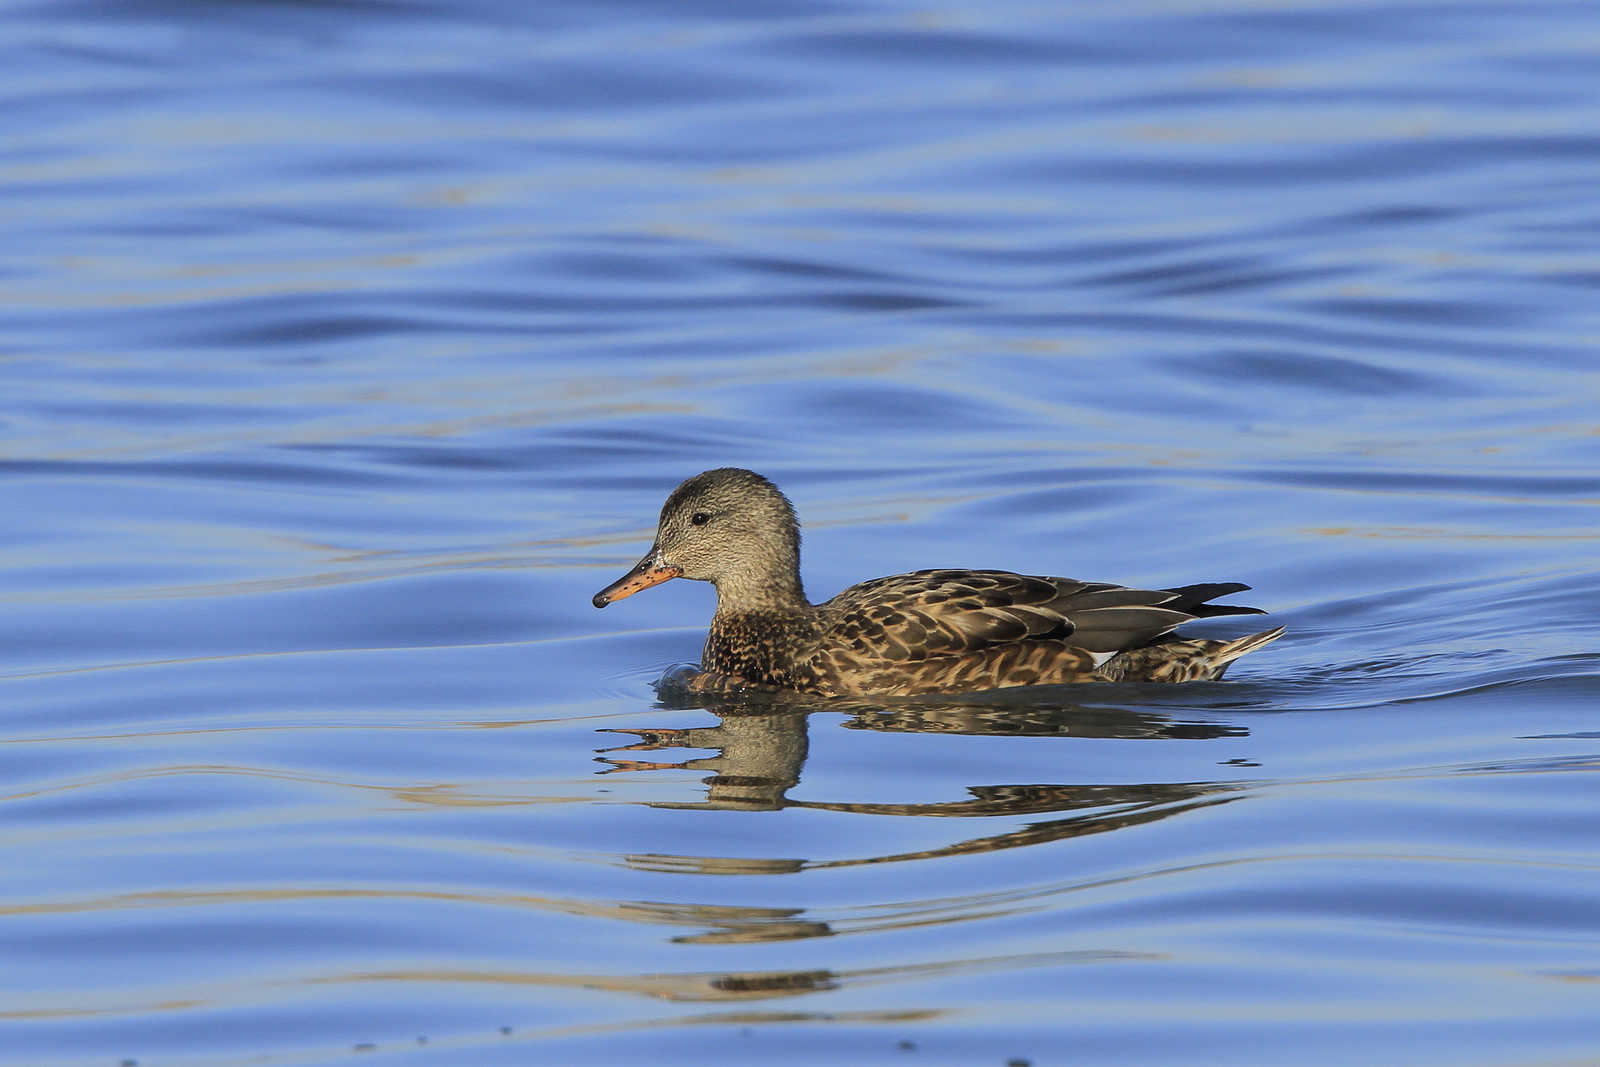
(929,631)
(955,631)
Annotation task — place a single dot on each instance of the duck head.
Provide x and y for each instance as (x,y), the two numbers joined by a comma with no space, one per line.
(729,527)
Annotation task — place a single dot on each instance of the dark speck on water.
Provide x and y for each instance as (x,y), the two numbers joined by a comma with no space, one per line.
(348,348)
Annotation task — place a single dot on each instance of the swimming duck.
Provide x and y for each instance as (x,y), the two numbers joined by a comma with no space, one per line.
(931,631)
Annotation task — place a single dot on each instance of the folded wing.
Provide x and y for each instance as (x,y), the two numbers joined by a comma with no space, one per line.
(952,613)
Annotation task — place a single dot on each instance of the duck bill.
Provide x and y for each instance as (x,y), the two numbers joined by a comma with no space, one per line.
(646,572)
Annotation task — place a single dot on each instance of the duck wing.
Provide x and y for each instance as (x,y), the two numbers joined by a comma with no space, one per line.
(943,613)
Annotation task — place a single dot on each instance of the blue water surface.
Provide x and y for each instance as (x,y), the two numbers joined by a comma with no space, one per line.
(347,349)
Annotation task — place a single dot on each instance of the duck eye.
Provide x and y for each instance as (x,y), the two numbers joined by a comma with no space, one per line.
(700,518)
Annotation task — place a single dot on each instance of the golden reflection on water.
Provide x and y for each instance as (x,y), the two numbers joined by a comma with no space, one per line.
(1437,533)
(712,986)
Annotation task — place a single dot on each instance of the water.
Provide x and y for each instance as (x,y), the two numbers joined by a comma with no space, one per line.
(348,349)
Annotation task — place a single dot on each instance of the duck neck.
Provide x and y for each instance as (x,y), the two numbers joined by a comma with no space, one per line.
(760,631)
(768,594)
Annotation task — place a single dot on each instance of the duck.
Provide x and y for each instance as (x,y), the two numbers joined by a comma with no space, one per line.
(945,631)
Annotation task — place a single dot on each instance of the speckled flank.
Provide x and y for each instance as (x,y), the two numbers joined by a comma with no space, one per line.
(1178,660)
(931,631)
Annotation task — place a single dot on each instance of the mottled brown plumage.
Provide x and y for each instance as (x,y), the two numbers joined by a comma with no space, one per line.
(934,631)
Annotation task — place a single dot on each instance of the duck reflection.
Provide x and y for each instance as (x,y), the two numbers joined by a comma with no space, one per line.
(758,756)
(759,746)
